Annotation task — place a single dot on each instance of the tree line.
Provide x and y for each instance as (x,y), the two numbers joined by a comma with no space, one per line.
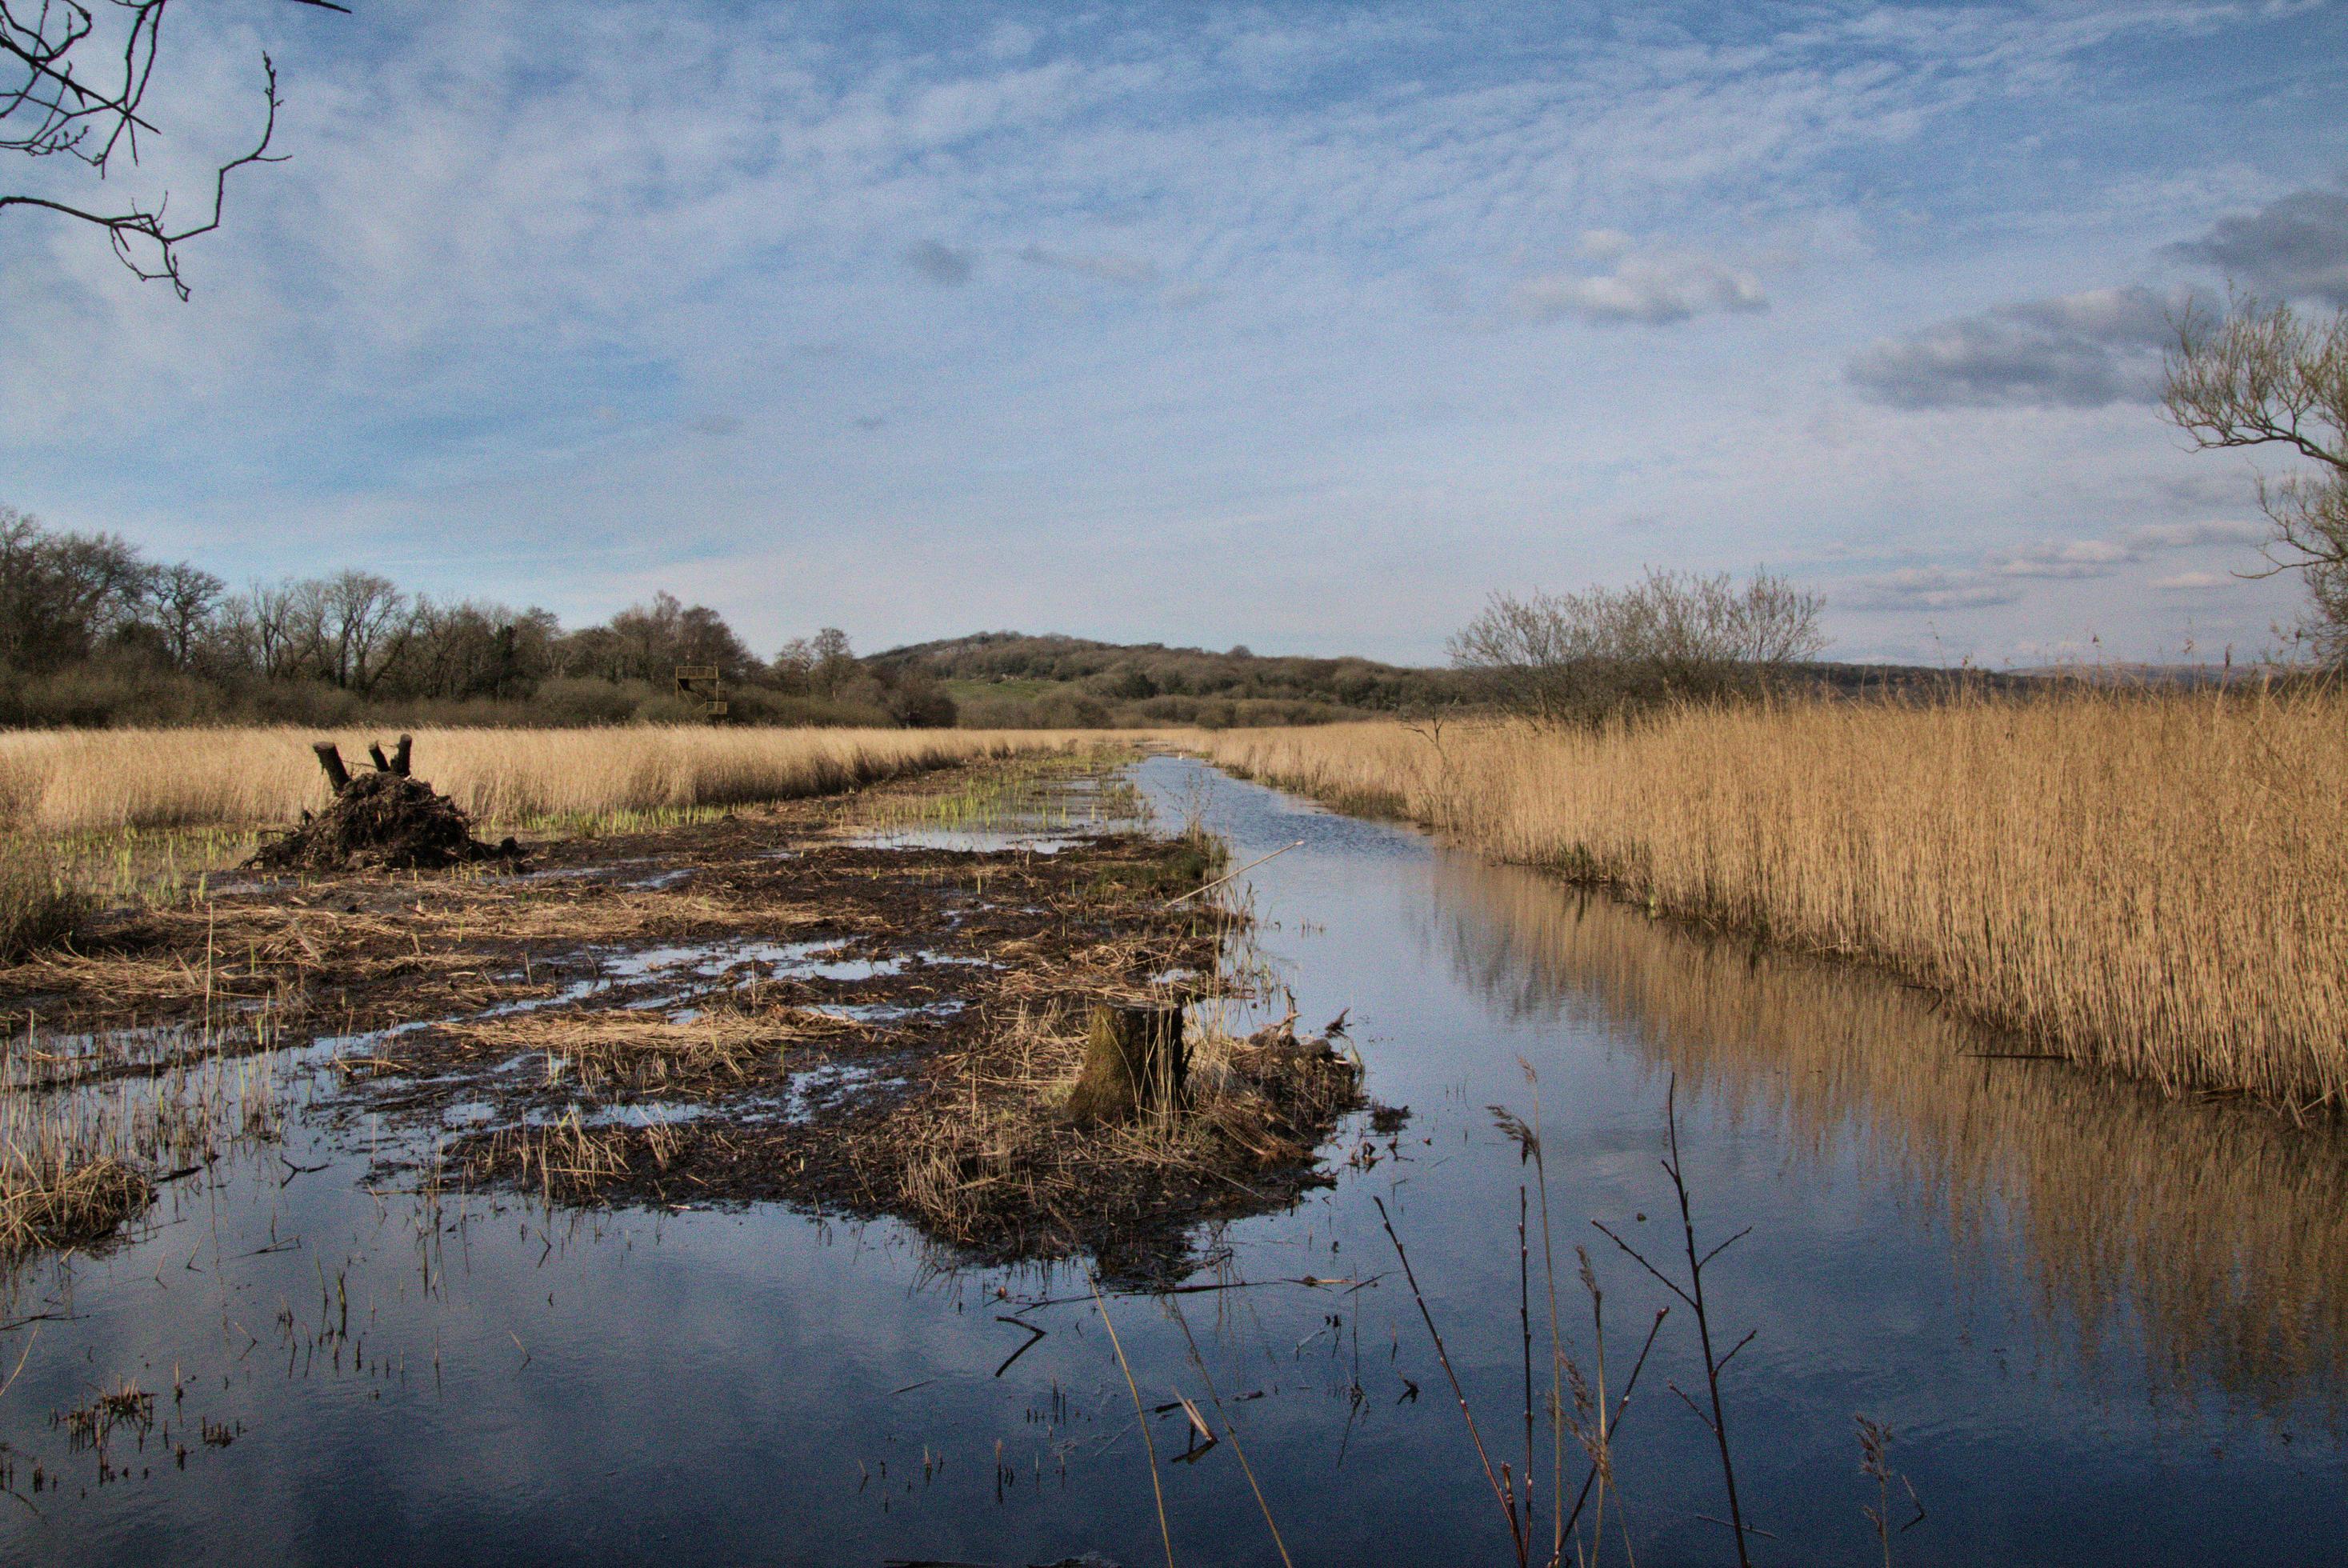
(93,632)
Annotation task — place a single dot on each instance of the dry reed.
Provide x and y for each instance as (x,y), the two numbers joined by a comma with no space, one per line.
(71,781)
(2147,883)
(648,1052)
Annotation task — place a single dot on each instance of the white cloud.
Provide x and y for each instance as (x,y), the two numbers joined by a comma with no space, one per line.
(1915,588)
(1603,245)
(1137,271)
(2077,558)
(1651,290)
(2193,582)
(404,336)
(1012,41)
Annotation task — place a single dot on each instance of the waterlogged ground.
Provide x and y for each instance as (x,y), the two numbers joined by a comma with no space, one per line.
(2101,1329)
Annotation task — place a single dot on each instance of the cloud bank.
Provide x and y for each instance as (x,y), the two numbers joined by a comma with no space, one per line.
(2083,350)
(2295,247)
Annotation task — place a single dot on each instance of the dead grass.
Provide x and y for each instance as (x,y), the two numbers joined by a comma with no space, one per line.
(40,904)
(645,1052)
(994,1163)
(630,1051)
(48,1201)
(567,1161)
(2147,883)
(84,781)
(92,1424)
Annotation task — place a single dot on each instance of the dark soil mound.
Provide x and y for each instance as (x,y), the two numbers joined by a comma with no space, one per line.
(384,821)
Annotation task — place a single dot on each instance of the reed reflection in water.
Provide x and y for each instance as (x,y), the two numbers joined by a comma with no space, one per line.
(2214,1235)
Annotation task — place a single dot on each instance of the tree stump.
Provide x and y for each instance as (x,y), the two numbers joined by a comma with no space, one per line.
(330,758)
(1134,1062)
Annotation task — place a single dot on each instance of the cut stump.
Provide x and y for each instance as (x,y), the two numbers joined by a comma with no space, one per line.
(330,758)
(1135,1062)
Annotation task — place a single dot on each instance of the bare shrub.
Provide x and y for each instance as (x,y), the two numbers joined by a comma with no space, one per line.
(1578,657)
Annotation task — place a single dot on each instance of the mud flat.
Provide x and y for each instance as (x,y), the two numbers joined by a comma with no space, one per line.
(866,1005)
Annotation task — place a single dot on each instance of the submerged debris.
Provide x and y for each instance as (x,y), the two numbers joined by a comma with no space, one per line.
(381,821)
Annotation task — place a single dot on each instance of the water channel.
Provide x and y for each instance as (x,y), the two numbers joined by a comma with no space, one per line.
(2103,1329)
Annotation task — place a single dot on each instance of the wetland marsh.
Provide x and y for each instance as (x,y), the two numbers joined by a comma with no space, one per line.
(2100,1327)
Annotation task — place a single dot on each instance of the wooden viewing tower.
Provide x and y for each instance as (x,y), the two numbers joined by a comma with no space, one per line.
(698,683)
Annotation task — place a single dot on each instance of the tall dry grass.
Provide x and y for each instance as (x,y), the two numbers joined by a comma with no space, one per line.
(74,781)
(2149,884)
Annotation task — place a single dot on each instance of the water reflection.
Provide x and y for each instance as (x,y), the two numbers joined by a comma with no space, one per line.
(2215,1234)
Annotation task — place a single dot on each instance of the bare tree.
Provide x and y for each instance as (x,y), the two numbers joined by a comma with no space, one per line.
(834,660)
(61,594)
(265,625)
(1576,658)
(73,88)
(365,625)
(2262,374)
(467,649)
(184,596)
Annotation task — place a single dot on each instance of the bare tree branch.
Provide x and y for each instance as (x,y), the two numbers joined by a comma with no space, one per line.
(2263,376)
(49,108)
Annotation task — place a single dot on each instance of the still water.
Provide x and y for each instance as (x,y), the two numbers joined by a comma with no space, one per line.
(2103,1329)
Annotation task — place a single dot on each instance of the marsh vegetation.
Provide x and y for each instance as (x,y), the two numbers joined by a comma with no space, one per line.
(2145,882)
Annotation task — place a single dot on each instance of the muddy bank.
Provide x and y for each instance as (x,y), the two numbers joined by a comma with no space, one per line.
(837,1004)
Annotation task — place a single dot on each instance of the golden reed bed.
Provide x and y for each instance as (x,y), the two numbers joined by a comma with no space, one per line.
(76,781)
(2154,884)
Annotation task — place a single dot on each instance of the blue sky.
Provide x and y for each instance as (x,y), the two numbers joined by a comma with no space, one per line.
(1301,325)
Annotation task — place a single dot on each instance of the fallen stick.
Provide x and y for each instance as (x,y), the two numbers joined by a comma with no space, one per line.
(1226,876)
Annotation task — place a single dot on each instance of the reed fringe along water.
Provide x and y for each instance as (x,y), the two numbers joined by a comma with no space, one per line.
(2148,882)
(70,781)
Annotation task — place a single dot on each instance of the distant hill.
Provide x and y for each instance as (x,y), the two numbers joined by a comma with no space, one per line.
(1011,679)
(2159,676)
(1014,680)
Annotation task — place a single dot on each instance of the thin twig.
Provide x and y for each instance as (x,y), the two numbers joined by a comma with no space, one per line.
(1209,887)
(1615,1424)
(1525,1321)
(1704,1326)
(1229,1430)
(1165,1536)
(1475,1436)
